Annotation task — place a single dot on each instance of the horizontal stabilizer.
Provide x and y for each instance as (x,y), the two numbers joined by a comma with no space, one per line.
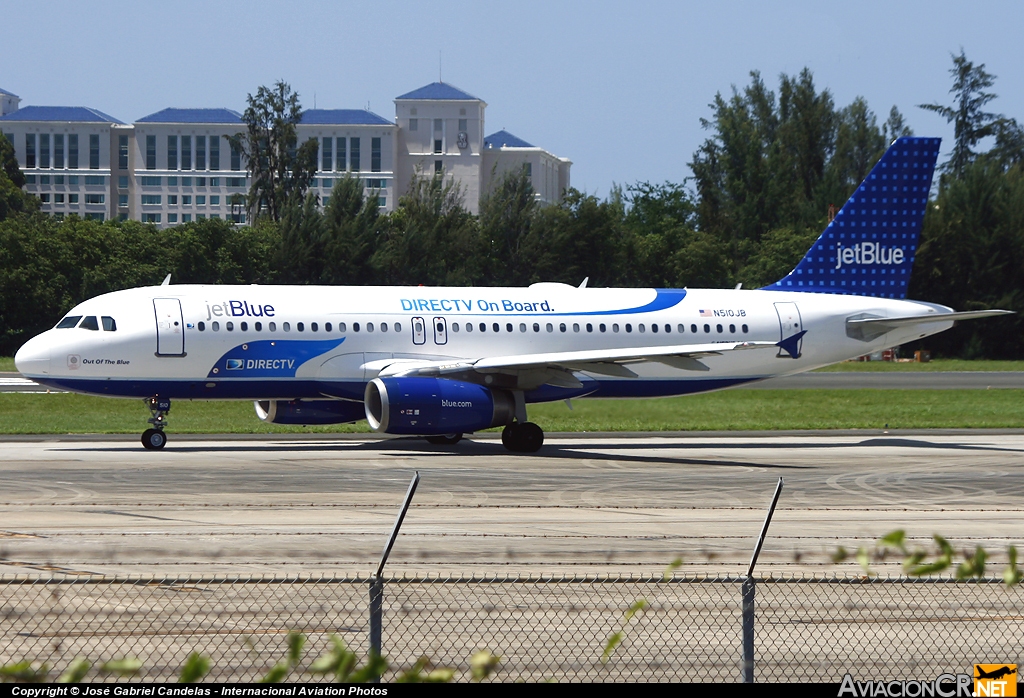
(867,328)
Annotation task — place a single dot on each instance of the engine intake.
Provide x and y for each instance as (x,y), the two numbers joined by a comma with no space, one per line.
(431,406)
(308,411)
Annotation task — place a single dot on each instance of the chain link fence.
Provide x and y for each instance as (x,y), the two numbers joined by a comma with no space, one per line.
(558,628)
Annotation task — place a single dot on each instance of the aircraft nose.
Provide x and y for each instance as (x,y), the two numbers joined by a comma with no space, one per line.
(33,359)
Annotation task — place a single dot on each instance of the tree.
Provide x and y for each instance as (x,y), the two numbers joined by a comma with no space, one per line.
(506,215)
(970,122)
(280,172)
(12,198)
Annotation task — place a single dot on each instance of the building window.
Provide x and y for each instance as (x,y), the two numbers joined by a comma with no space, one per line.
(327,154)
(58,151)
(45,198)
(122,182)
(149,199)
(122,200)
(72,198)
(73,151)
(354,154)
(122,152)
(186,152)
(374,155)
(94,180)
(414,124)
(58,179)
(200,181)
(44,149)
(150,181)
(94,217)
(236,158)
(200,152)
(236,181)
(186,218)
(150,152)
(438,166)
(186,200)
(172,152)
(342,155)
(172,217)
(94,198)
(150,217)
(58,198)
(528,169)
(172,199)
(94,151)
(215,201)
(30,150)
(200,200)
(214,152)
(464,125)
(382,201)
(438,146)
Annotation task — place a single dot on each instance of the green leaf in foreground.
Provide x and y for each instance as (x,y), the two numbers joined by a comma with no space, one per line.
(76,671)
(482,664)
(1011,575)
(196,667)
(25,671)
(126,666)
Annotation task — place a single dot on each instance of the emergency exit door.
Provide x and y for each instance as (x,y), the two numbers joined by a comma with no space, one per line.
(170,328)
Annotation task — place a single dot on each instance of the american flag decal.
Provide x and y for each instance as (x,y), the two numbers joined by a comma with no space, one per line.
(705,313)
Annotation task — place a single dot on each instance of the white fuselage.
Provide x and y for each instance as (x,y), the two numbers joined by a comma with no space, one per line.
(287,342)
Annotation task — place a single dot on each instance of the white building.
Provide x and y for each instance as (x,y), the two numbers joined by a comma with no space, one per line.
(177,165)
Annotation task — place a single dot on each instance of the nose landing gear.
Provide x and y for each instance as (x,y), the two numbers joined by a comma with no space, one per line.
(154,439)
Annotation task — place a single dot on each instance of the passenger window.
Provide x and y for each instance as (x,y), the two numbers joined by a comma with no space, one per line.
(483,326)
(496,327)
(300,327)
(469,327)
(286,327)
(590,327)
(89,323)
(69,321)
(522,327)
(642,327)
(550,328)
(601,327)
(668,329)
(259,326)
(313,327)
(575,327)
(202,326)
(455,327)
(536,327)
(327,327)
(341,327)
(108,324)
(707,329)
(383,327)
(245,327)
(272,327)
(229,326)
(719,328)
(508,327)
(629,327)
(615,327)
(398,327)
(693,328)
(732,328)
(216,326)
(355,326)
(744,328)
(369,327)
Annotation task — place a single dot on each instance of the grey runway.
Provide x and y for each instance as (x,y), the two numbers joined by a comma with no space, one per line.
(583,504)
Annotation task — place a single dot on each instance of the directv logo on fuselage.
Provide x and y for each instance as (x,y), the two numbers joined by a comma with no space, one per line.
(868,253)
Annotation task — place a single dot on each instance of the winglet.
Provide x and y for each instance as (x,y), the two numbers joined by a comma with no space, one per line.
(791,345)
(167,280)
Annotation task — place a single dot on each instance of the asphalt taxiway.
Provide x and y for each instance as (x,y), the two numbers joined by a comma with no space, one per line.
(607,503)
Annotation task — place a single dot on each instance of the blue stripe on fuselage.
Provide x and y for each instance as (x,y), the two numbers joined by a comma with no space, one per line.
(270,358)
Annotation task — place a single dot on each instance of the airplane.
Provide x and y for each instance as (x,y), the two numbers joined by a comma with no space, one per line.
(442,362)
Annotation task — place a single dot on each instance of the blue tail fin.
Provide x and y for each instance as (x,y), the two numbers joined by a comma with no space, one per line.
(869,248)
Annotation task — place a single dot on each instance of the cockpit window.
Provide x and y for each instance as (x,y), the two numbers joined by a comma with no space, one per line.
(108,324)
(69,321)
(89,323)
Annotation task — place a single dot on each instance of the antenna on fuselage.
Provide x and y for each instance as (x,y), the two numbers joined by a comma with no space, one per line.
(167,280)
(583,284)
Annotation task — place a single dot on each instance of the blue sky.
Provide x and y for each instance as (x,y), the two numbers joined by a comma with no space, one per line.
(619,88)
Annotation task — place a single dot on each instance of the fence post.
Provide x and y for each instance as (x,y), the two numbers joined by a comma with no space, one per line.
(747,590)
(377,583)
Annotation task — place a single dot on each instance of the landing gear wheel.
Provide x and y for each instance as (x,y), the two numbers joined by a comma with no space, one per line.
(522,438)
(154,439)
(445,439)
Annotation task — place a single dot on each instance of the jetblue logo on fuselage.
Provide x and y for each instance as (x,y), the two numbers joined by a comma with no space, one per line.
(868,253)
(238,309)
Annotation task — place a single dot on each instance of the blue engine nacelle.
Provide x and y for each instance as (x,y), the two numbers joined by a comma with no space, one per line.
(309,411)
(431,406)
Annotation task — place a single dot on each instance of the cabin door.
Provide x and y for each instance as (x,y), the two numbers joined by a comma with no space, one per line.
(170,328)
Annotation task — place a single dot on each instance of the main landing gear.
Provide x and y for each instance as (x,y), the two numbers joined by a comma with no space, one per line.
(154,439)
(522,437)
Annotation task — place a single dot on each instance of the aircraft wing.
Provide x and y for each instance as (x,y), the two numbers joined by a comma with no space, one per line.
(556,368)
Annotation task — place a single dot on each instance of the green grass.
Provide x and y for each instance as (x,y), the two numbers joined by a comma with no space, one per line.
(7,363)
(936,365)
(34,413)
